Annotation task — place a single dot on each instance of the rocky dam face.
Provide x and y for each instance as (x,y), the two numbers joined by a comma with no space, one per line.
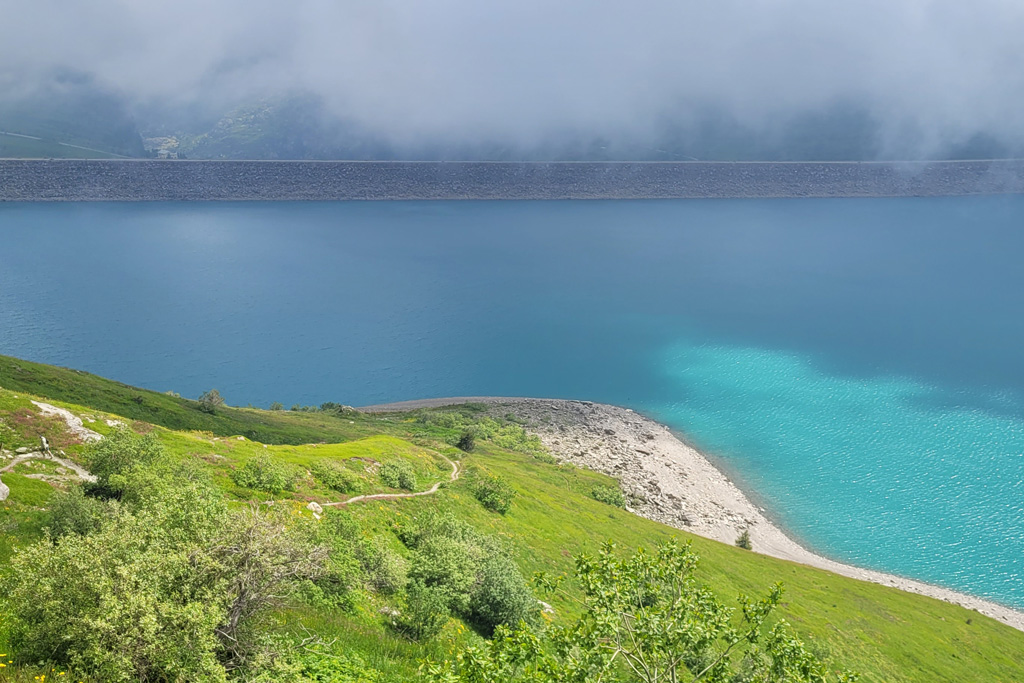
(169,180)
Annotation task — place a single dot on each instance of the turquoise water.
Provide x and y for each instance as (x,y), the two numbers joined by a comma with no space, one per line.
(855,364)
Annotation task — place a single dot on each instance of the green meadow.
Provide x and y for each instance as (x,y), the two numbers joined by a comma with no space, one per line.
(884,634)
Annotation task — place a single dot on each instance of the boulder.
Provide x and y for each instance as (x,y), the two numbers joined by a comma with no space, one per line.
(314,507)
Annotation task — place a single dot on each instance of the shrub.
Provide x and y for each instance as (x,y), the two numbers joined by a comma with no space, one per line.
(262,473)
(176,590)
(72,512)
(277,405)
(472,573)
(611,495)
(495,494)
(424,613)
(113,458)
(743,540)
(334,476)
(501,596)
(210,400)
(398,474)
(679,630)
(466,442)
(383,568)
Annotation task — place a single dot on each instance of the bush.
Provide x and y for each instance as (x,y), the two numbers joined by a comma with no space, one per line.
(743,541)
(72,512)
(471,573)
(263,474)
(501,596)
(335,476)
(113,458)
(424,613)
(495,494)
(678,630)
(176,590)
(466,442)
(276,405)
(398,474)
(611,495)
(447,565)
(210,400)
(383,568)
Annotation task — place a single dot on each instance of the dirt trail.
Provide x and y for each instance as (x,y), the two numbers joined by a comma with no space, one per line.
(456,472)
(75,426)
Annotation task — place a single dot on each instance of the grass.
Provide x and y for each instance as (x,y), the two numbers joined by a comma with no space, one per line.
(172,412)
(886,634)
(15,147)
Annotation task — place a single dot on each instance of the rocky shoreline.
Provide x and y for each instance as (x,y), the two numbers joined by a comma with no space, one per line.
(671,482)
(172,180)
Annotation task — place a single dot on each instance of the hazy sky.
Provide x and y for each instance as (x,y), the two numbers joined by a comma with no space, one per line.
(527,70)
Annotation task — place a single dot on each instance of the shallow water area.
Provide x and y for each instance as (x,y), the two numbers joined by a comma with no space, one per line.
(853,362)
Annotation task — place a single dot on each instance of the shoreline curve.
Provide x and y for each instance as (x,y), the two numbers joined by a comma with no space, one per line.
(678,485)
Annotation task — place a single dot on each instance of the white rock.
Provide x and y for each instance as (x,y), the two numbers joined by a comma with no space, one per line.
(315,507)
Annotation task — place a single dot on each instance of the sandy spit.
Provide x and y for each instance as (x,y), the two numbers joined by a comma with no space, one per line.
(675,484)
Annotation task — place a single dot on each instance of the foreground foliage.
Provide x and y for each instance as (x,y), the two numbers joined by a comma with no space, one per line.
(646,619)
(167,583)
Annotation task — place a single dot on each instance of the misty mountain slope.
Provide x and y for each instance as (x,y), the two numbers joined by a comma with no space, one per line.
(70,109)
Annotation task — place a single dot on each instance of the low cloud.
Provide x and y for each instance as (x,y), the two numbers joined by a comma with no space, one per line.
(929,72)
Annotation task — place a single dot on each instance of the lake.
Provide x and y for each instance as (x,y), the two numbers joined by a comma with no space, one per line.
(855,364)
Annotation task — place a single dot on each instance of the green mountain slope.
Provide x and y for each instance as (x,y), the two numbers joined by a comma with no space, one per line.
(885,634)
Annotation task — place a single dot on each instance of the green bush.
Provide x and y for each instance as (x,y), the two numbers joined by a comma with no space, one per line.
(495,494)
(424,613)
(383,568)
(466,442)
(72,512)
(210,400)
(174,586)
(317,663)
(113,458)
(448,565)
(262,473)
(398,474)
(649,613)
(471,573)
(743,541)
(501,596)
(612,495)
(335,476)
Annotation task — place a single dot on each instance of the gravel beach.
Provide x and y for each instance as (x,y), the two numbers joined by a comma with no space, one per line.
(673,483)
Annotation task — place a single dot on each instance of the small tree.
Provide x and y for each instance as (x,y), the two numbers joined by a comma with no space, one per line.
(277,405)
(743,541)
(466,442)
(210,400)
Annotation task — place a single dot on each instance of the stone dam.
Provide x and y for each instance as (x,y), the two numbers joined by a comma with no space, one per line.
(180,180)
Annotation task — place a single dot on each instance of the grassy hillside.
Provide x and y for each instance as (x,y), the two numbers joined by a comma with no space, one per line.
(885,634)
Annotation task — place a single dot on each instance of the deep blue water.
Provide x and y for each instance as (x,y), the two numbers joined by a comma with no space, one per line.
(856,364)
